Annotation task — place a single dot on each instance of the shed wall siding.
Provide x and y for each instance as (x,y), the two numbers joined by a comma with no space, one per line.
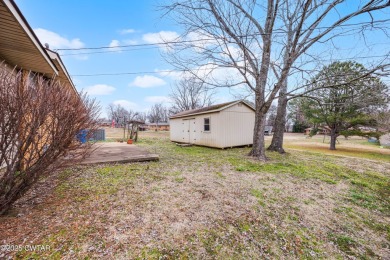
(238,124)
(230,127)
(176,130)
(191,130)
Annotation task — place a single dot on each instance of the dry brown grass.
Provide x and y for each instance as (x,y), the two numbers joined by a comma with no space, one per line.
(352,147)
(209,204)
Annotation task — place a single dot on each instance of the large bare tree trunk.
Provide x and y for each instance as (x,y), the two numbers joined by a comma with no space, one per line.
(280,122)
(258,148)
(333,139)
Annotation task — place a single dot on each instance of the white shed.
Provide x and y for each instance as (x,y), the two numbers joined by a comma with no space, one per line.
(223,125)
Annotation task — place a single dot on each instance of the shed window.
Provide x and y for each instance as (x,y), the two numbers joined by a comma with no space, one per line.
(207,124)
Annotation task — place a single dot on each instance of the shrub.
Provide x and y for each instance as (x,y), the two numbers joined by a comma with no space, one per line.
(39,119)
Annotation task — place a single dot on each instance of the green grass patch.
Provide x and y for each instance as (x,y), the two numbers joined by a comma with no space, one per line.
(220,175)
(179,179)
(344,243)
(289,166)
(259,195)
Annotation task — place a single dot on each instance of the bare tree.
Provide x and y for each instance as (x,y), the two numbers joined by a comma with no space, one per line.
(39,120)
(250,36)
(119,114)
(141,116)
(190,93)
(271,115)
(296,115)
(382,118)
(158,113)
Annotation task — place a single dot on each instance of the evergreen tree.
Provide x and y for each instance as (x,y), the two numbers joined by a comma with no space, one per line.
(342,95)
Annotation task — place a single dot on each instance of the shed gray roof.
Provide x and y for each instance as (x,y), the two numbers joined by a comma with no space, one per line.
(211,109)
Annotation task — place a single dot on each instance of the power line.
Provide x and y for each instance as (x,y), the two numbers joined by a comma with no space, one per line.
(128,73)
(111,51)
(219,67)
(148,48)
(277,31)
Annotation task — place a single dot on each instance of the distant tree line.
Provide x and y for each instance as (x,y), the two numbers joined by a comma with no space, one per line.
(186,94)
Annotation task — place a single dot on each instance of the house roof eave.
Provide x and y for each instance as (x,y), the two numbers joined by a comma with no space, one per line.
(15,11)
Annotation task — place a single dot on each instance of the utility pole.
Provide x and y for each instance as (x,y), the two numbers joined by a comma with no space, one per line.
(124,128)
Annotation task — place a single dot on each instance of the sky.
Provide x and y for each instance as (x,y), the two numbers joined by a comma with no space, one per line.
(91,23)
(95,23)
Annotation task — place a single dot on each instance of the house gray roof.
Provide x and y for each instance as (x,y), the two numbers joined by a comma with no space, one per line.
(211,109)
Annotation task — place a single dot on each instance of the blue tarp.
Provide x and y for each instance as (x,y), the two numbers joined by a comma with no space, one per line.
(82,136)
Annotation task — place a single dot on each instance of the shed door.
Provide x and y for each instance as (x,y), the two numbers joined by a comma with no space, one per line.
(189,131)
(192,131)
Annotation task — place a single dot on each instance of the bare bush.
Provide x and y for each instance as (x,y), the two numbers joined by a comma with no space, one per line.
(39,122)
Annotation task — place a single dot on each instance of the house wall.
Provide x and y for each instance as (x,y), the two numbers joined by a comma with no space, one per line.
(42,134)
(159,127)
(230,127)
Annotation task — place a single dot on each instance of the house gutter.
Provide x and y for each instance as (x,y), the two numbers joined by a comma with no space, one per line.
(12,7)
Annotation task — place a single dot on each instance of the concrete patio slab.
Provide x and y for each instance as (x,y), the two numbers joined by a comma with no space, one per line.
(118,153)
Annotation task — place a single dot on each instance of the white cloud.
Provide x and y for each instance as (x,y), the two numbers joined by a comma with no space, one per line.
(157,99)
(129,42)
(234,52)
(127,31)
(201,40)
(175,75)
(126,104)
(161,37)
(147,81)
(56,41)
(100,90)
(114,44)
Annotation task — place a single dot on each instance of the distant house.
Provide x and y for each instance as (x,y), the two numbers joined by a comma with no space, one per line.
(224,125)
(157,126)
(105,123)
(268,129)
(384,140)
(321,130)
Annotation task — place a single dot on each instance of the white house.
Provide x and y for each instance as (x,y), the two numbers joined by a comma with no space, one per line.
(223,125)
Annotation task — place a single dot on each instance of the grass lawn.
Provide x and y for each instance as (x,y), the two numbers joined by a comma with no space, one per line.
(205,203)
